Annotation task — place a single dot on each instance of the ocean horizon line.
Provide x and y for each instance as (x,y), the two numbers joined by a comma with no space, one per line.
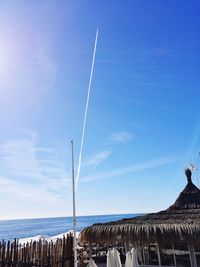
(70,216)
(51,227)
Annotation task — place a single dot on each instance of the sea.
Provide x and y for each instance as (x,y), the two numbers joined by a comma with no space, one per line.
(50,227)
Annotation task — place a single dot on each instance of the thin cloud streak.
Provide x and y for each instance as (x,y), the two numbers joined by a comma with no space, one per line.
(132,168)
(21,191)
(41,200)
(121,137)
(21,159)
(97,158)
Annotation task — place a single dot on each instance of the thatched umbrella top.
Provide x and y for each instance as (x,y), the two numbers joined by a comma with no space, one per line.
(181,221)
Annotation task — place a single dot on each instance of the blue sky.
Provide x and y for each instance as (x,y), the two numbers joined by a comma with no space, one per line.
(143,121)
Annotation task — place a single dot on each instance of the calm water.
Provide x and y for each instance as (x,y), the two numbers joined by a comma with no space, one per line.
(10,229)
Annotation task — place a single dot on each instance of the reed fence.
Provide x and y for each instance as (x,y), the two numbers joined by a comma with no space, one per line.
(37,253)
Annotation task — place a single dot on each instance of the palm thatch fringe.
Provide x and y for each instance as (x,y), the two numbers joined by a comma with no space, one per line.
(145,232)
(181,221)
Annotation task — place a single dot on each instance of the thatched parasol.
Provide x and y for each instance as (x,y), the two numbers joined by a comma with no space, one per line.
(181,221)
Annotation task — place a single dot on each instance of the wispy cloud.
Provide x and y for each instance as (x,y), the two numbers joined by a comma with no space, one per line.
(46,150)
(23,191)
(97,158)
(33,200)
(24,160)
(131,168)
(121,137)
(32,176)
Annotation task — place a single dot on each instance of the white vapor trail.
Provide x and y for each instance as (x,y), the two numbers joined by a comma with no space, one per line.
(86,109)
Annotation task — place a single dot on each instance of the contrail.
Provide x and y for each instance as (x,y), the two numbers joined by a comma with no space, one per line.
(86,109)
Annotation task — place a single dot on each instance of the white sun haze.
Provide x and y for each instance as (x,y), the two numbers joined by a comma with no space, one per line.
(6,59)
(27,67)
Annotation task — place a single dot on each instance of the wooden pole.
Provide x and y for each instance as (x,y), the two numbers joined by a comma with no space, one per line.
(148,256)
(127,247)
(90,251)
(174,255)
(192,254)
(159,258)
(143,255)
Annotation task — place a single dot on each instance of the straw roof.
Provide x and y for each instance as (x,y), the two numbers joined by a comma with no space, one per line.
(181,221)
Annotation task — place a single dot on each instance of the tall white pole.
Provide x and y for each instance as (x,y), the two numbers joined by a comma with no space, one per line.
(74,208)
